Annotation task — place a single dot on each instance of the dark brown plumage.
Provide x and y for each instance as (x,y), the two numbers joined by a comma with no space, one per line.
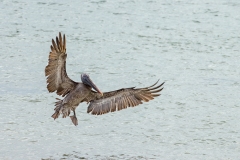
(76,92)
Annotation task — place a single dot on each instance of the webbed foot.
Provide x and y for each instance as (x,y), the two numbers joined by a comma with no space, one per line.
(74,120)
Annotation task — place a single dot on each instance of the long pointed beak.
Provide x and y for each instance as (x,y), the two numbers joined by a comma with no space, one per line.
(90,83)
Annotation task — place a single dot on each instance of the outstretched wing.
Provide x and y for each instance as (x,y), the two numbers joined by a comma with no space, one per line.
(55,71)
(121,99)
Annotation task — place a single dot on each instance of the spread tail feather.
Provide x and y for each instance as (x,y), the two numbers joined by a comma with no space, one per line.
(61,109)
(57,109)
(55,115)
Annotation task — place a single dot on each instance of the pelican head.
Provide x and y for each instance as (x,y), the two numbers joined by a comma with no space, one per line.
(86,80)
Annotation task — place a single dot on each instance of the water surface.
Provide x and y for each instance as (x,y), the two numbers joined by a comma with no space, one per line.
(192,46)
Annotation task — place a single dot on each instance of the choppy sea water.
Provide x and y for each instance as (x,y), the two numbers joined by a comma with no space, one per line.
(192,46)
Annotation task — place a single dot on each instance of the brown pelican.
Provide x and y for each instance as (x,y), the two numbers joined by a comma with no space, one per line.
(76,92)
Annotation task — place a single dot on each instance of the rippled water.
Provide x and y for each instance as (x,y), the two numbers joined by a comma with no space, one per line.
(192,46)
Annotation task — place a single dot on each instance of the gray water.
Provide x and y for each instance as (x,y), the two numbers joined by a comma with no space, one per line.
(191,45)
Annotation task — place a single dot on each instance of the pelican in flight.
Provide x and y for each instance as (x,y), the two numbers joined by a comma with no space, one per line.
(75,93)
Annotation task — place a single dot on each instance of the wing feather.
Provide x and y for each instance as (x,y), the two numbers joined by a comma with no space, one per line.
(121,99)
(114,106)
(55,71)
(121,104)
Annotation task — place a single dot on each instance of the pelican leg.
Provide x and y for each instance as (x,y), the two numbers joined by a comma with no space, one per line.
(74,118)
